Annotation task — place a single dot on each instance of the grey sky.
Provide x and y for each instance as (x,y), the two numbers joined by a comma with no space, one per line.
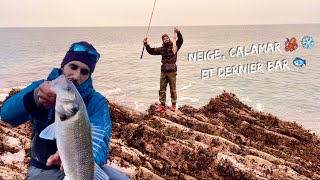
(43,13)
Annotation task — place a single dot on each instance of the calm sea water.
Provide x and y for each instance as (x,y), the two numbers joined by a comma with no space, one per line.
(29,54)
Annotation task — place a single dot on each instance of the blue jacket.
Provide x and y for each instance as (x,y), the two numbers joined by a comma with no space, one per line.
(21,107)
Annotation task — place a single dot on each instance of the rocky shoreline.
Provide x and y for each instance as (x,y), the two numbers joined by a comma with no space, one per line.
(224,139)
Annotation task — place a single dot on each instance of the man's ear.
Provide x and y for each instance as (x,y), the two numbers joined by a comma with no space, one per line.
(61,71)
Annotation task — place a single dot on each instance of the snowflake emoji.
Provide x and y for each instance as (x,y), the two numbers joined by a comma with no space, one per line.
(308,42)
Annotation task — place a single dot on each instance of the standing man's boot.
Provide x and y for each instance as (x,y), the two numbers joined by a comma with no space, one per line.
(161,108)
(173,107)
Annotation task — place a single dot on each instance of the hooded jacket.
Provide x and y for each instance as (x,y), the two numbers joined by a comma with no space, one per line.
(169,58)
(21,107)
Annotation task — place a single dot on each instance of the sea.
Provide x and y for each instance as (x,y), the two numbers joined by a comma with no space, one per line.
(208,62)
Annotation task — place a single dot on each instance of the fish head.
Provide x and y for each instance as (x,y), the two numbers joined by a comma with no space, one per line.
(299,62)
(297,59)
(67,99)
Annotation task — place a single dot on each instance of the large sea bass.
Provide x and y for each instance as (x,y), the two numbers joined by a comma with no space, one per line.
(72,132)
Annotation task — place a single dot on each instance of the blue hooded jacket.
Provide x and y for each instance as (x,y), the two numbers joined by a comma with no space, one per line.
(16,110)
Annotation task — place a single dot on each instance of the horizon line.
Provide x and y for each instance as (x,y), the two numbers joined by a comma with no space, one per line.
(120,26)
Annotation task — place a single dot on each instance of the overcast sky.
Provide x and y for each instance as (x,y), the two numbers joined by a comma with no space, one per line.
(66,13)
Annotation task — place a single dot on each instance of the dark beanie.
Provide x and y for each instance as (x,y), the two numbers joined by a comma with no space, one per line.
(82,57)
(165,35)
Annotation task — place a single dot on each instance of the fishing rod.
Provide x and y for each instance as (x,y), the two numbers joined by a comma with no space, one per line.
(149,26)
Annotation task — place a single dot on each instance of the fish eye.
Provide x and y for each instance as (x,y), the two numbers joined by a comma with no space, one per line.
(75,109)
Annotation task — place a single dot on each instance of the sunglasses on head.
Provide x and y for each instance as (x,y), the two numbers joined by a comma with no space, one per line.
(80,49)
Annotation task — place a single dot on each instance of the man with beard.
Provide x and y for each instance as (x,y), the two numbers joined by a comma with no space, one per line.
(168,51)
(37,101)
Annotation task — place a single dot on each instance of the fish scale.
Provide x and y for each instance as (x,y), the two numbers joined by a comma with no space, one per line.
(76,136)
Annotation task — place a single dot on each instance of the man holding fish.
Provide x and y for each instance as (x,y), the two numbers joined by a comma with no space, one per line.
(168,52)
(71,125)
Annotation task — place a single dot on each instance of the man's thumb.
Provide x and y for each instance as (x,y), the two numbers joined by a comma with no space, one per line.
(52,158)
(49,160)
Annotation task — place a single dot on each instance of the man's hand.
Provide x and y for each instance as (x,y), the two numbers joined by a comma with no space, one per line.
(55,159)
(145,41)
(47,97)
(176,30)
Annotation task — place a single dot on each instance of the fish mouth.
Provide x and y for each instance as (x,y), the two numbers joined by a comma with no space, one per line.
(75,83)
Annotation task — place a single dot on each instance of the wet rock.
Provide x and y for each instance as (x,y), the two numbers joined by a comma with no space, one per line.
(224,139)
